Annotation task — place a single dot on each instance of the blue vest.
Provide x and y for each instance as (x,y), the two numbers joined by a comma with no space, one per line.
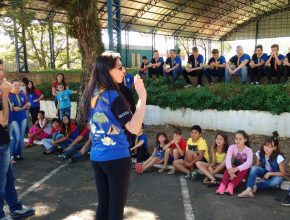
(109,141)
(273,163)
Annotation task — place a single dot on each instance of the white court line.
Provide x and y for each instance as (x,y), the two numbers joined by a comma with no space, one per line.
(43,180)
(189,215)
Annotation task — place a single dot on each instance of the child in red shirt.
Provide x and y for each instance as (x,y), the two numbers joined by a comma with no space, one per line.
(175,148)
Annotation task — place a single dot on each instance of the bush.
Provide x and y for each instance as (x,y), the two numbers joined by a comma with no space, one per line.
(272,98)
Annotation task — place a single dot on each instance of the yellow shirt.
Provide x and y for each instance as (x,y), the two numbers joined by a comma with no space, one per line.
(198,146)
(220,157)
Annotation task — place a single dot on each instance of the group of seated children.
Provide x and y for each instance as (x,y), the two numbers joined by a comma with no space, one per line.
(60,136)
(235,162)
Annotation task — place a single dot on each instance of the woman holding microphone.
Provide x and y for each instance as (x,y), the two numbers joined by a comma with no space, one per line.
(109,115)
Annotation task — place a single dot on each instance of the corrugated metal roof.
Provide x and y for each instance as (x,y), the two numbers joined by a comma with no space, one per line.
(208,19)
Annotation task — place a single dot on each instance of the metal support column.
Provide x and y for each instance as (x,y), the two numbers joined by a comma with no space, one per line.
(257,33)
(153,44)
(67,48)
(127,47)
(20,48)
(51,45)
(114,25)
(222,48)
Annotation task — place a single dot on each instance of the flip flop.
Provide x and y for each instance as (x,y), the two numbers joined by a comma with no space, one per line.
(171,172)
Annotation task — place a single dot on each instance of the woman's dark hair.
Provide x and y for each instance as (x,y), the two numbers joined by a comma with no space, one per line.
(63,79)
(245,135)
(101,78)
(65,128)
(225,137)
(28,90)
(25,81)
(41,112)
(54,120)
(162,134)
(274,142)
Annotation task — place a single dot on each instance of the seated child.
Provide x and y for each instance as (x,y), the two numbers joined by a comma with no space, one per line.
(157,155)
(270,165)
(196,150)
(174,149)
(218,164)
(55,129)
(40,130)
(78,148)
(239,160)
(69,132)
(140,147)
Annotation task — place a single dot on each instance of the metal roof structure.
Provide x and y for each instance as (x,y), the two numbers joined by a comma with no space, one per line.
(203,19)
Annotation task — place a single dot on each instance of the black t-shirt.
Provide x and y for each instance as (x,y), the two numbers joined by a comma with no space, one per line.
(158,70)
(4,133)
(122,109)
(288,57)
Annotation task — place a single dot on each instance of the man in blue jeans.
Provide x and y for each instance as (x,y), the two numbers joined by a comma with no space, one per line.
(7,179)
(238,65)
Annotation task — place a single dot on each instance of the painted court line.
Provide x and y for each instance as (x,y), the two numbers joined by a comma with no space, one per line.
(189,215)
(43,180)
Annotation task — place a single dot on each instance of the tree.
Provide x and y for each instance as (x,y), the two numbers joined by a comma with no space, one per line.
(86,28)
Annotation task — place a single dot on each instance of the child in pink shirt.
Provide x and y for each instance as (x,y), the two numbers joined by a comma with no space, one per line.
(239,160)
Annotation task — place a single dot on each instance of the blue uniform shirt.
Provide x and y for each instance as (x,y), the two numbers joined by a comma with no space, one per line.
(272,62)
(258,60)
(16,100)
(195,62)
(173,62)
(64,98)
(234,59)
(128,80)
(107,119)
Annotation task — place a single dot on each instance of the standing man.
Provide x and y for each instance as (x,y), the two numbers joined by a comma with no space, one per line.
(238,65)
(7,179)
(194,67)
(274,64)
(257,65)
(215,67)
(155,68)
(172,66)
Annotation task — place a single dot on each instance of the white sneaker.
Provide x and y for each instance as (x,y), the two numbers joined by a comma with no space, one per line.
(257,83)
(198,86)
(187,86)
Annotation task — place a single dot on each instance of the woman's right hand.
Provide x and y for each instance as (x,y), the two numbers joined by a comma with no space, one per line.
(139,87)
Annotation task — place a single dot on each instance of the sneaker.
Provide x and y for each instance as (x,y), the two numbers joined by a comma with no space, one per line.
(187,86)
(18,157)
(188,176)
(198,86)
(61,157)
(286,201)
(257,83)
(24,212)
(72,160)
(252,83)
(194,175)
(221,189)
(230,189)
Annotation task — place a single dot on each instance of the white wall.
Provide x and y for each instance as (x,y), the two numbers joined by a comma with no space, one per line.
(253,122)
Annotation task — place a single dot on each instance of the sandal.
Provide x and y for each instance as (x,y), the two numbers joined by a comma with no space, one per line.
(246,194)
(206,181)
(213,183)
(171,172)
(161,170)
(28,145)
(139,168)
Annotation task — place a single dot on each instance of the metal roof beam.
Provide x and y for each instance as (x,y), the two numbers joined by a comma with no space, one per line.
(142,11)
(239,27)
(171,14)
(238,5)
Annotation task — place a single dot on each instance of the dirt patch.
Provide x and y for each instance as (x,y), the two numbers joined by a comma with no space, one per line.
(209,136)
